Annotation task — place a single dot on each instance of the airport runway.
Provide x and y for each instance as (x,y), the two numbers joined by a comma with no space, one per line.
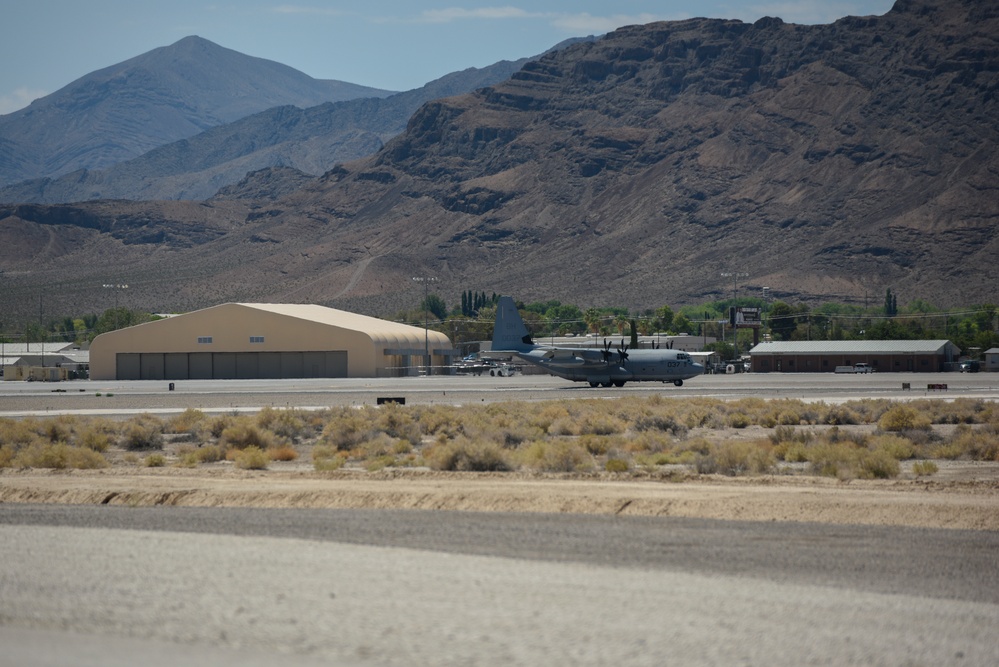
(129,397)
(116,586)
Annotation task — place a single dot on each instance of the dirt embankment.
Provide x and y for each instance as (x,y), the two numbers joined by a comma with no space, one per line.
(963,496)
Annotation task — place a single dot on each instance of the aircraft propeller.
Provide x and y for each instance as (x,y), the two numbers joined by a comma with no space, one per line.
(606,351)
(622,351)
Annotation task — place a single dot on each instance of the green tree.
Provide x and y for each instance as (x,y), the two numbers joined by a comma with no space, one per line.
(725,350)
(891,304)
(783,320)
(435,305)
(665,316)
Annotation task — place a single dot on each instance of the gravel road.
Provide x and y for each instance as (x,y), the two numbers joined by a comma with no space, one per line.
(432,588)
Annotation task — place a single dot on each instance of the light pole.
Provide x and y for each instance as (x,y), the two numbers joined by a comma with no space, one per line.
(116,287)
(426,280)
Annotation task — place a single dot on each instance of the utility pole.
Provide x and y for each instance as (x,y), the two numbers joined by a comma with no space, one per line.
(117,288)
(735,275)
(426,280)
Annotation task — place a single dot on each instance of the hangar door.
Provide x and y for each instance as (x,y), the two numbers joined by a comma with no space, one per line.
(230,365)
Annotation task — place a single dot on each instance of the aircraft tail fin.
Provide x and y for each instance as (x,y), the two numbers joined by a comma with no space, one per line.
(509,332)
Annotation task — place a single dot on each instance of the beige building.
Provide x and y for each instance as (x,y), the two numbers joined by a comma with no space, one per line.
(262,340)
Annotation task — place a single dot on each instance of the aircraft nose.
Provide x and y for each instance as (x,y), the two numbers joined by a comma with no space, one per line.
(699,368)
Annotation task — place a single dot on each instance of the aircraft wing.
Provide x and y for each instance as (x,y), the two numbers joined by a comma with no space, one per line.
(566,356)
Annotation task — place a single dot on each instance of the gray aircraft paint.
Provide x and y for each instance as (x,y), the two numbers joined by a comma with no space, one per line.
(599,366)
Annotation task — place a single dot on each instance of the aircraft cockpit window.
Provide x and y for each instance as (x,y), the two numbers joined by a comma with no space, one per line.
(682,357)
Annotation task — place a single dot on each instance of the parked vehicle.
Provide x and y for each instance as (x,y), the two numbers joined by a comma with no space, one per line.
(856,368)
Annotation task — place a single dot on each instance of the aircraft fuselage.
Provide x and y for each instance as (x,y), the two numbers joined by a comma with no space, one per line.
(640,365)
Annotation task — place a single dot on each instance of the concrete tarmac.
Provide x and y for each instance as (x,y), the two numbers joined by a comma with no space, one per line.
(131,397)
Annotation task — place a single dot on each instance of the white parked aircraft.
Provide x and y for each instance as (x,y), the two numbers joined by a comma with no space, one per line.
(601,367)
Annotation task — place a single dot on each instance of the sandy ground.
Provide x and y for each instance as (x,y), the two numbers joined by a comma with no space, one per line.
(962,495)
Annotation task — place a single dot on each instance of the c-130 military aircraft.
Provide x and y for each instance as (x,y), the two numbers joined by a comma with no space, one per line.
(601,367)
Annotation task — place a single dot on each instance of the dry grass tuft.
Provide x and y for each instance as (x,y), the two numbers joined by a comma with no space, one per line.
(579,436)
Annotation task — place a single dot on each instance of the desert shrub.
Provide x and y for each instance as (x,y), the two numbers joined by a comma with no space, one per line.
(326,458)
(696,417)
(436,419)
(654,459)
(788,418)
(563,426)
(879,464)
(209,453)
(791,434)
(898,447)
(396,422)
(380,444)
(220,423)
(696,445)
(739,420)
(190,421)
(903,418)
(7,455)
(841,415)
(347,429)
(282,453)
(949,450)
(976,445)
(663,423)
(836,434)
(462,454)
(833,459)
(289,424)
(792,452)
(556,456)
(543,416)
(596,445)
(923,468)
(739,458)
(705,464)
(809,415)
(650,441)
(155,461)
(143,432)
(245,433)
(844,460)
(58,455)
(960,411)
(191,457)
(598,424)
(515,435)
(251,458)
(18,432)
(93,437)
(869,410)
(617,465)
(59,429)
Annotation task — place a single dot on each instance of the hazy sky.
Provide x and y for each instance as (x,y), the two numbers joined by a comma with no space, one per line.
(391,44)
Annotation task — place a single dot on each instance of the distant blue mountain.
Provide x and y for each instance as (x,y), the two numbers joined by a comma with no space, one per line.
(167,94)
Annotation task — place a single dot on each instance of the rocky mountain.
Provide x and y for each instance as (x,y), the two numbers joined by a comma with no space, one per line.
(826,162)
(165,95)
(311,140)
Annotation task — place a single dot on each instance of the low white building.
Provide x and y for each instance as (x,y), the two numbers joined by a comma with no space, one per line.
(41,355)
